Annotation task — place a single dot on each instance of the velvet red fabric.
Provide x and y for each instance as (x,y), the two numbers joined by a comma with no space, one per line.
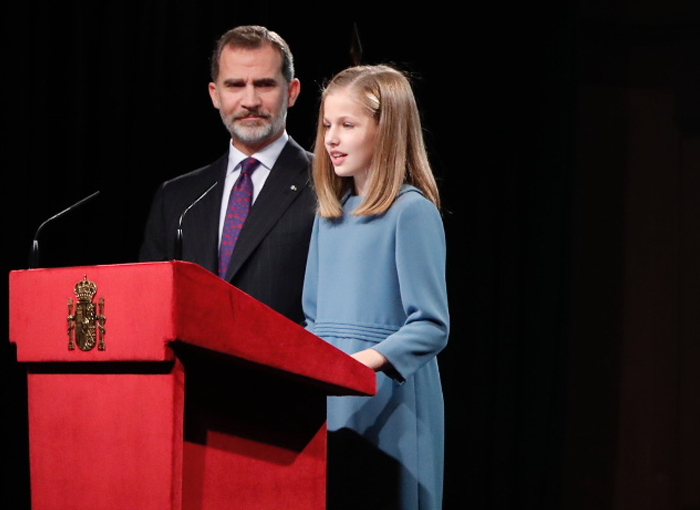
(97,441)
(203,398)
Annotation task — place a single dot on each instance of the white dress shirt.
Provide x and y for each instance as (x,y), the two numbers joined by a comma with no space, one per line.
(267,157)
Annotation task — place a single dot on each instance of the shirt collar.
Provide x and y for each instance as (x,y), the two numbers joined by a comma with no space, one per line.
(267,155)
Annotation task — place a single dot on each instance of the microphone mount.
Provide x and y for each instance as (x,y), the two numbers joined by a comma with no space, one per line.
(34,254)
(178,236)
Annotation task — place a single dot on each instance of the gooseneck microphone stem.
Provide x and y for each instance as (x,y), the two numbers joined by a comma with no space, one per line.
(178,236)
(34,254)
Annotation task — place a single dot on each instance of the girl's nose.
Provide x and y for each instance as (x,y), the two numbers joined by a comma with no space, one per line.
(331,136)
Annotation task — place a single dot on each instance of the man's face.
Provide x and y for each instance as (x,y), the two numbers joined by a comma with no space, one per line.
(252,96)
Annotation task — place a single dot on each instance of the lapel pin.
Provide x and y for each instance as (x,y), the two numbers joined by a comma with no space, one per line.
(293,187)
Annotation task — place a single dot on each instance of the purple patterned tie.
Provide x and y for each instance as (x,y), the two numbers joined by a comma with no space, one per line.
(238,206)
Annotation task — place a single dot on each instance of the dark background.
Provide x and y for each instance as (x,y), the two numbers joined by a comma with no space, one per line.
(566,139)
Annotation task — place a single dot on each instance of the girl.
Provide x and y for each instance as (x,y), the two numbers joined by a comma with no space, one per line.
(375,288)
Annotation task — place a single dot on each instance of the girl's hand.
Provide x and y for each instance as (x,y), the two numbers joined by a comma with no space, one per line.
(371,358)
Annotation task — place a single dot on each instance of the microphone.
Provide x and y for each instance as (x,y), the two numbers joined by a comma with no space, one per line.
(178,237)
(34,254)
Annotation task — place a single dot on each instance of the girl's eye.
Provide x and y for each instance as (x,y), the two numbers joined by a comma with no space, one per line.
(348,125)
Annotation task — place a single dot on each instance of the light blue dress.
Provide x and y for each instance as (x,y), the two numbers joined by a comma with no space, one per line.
(379,282)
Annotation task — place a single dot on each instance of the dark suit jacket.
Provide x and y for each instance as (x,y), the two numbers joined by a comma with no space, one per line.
(270,255)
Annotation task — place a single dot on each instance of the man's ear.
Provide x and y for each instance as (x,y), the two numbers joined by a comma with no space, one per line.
(213,94)
(293,92)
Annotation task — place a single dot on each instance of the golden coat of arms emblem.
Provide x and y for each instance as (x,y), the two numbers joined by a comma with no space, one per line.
(86,319)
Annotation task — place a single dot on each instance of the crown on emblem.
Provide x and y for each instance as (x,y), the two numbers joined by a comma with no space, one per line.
(85,290)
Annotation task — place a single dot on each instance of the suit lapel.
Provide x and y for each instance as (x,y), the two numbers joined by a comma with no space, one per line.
(203,236)
(286,181)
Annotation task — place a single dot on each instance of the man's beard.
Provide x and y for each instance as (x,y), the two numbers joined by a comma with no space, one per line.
(267,126)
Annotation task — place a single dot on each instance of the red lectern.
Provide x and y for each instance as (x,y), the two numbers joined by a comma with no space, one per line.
(159,386)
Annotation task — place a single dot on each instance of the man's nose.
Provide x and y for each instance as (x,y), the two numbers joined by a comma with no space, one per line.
(251,97)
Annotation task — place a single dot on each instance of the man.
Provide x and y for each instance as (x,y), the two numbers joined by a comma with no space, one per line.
(253,85)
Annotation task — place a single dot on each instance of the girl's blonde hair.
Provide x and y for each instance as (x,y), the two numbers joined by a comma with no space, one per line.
(400,156)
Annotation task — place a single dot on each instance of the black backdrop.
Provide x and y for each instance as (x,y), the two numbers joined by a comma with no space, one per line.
(111,97)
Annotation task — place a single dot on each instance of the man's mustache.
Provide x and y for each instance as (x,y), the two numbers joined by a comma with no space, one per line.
(252,113)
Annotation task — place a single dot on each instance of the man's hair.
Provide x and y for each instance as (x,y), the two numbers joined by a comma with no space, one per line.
(253,37)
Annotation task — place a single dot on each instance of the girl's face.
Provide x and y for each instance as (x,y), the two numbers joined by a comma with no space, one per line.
(349,137)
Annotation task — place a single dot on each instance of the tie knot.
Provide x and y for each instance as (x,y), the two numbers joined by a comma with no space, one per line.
(248,165)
